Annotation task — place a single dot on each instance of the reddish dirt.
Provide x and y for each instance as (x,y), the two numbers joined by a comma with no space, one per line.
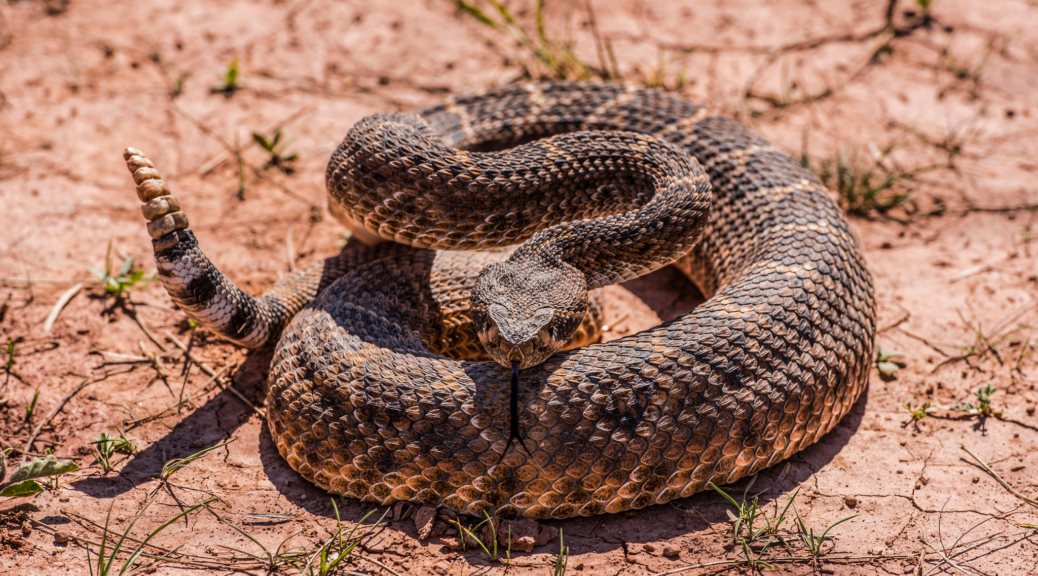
(83,79)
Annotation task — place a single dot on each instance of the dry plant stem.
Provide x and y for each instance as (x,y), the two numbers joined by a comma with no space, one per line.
(190,398)
(289,251)
(60,305)
(976,544)
(949,560)
(205,368)
(53,413)
(148,333)
(995,475)
(230,565)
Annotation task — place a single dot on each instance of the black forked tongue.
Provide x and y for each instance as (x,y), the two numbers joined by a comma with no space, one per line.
(513,410)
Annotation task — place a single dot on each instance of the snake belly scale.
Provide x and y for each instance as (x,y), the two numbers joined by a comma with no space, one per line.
(379,389)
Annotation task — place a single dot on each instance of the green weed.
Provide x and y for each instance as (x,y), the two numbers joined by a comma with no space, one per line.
(30,405)
(229,83)
(887,364)
(23,480)
(983,404)
(106,446)
(747,514)
(561,559)
(278,159)
(119,285)
(918,412)
(814,543)
(105,565)
(327,560)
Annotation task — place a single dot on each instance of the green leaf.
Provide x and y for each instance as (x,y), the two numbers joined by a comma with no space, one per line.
(888,369)
(43,467)
(126,266)
(259,139)
(97,273)
(22,489)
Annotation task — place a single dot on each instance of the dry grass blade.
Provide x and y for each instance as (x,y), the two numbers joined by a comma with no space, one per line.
(60,305)
(558,59)
(995,475)
(170,467)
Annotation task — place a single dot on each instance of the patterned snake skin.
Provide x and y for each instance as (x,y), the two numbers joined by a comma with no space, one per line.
(363,401)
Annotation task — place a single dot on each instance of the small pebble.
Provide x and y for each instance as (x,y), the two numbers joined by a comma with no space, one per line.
(850,501)
(671,551)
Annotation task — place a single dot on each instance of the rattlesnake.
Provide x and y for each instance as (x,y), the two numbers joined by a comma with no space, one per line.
(601,183)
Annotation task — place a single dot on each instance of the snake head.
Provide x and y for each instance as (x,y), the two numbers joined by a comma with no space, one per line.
(524,312)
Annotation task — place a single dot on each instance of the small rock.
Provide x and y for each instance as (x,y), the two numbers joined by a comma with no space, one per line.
(522,533)
(402,511)
(424,520)
(439,529)
(976,479)
(198,443)
(440,567)
(648,548)
(16,542)
(579,566)
(671,551)
(63,499)
(447,515)
(61,537)
(546,534)
(26,528)
(850,501)
(451,543)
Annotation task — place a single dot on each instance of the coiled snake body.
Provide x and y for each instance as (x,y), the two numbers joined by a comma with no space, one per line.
(364,400)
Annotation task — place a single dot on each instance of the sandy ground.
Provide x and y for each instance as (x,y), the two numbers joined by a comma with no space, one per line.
(955,268)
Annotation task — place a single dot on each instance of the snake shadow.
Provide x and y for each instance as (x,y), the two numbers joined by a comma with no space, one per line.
(211,423)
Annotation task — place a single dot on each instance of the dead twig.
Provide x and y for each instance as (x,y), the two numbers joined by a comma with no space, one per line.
(205,368)
(60,305)
(53,413)
(995,475)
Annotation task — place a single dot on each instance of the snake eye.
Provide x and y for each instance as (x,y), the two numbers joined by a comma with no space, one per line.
(543,316)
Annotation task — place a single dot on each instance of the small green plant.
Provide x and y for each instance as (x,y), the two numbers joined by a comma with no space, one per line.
(861,186)
(747,514)
(887,364)
(228,80)
(10,346)
(470,534)
(983,405)
(106,446)
(759,563)
(276,149)
(326,560)
(918,412)
(23,480)
(562,559)
(814,543)
(30,405)
(120,284)
(105,565)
